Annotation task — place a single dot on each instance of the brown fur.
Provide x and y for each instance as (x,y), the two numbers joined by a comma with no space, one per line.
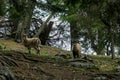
(31,43)
(76,50)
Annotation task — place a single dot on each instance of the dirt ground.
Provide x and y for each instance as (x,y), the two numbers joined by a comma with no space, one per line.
(33,67)
(46,67)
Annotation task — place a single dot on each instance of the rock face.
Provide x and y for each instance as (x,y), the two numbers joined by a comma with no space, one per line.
(100,78)
(83,63)
(5,73)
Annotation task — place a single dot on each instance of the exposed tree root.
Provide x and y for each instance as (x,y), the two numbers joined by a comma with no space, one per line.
(30,58)
(44,72)
(8,61)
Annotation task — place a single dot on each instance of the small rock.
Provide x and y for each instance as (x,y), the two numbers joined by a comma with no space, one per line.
(58,58)
(65,56)
(100,78)
(2,77)
(5,73)
(83,65)
(118,68)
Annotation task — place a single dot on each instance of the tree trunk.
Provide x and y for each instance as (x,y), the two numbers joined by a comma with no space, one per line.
(18,33)
(111,35)
(107,49)
(45,33)
(112,43)
(74,32)
(43,25)
(24,23)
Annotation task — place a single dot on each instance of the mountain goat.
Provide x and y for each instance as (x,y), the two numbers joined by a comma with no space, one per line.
(76,50)
(31,43)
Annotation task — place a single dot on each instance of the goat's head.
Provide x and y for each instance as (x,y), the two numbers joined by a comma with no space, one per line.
(24,35)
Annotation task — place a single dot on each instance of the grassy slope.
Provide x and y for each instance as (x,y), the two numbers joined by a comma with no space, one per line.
(47,62)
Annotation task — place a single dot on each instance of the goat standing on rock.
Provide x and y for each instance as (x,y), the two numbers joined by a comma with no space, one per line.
(31,43)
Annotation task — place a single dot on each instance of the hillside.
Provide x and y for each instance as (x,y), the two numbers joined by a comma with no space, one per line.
(56,64)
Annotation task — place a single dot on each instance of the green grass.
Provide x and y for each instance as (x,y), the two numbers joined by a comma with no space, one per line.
(105,63)
(46,54)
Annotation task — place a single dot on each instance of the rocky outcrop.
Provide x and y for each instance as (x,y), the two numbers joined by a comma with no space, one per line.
(5,73)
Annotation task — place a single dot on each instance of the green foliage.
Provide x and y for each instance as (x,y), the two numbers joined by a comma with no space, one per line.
(93,19)
(46,54)
(14,13)
(1,47)
(2,8)
(105,63)
(72,2)
(70,18)
(19,9)
(90,19)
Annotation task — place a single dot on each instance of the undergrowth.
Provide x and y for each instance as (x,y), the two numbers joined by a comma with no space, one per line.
(104,63)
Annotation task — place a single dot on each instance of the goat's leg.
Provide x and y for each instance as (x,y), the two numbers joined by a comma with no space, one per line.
(77,54)
(37,49)
(74,54)
(29,49)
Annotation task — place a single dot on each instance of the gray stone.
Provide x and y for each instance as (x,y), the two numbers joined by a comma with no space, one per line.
(83,65)
(118,68)
(58,58)
(65,56)
(6,74)
(100,78)
(2,77)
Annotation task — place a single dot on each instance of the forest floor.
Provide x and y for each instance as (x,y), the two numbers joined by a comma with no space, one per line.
(49,65)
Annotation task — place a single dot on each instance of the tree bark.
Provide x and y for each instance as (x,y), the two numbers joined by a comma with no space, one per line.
(43,25)
(111,35)
(24,23)
(74,32)
(45,33)
(112,43)
(107,49)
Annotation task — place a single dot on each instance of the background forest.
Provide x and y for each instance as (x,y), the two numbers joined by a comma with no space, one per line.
(95,23)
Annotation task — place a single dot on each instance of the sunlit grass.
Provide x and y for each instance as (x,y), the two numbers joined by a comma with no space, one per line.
(104,63)
(46,54)
(11,45)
